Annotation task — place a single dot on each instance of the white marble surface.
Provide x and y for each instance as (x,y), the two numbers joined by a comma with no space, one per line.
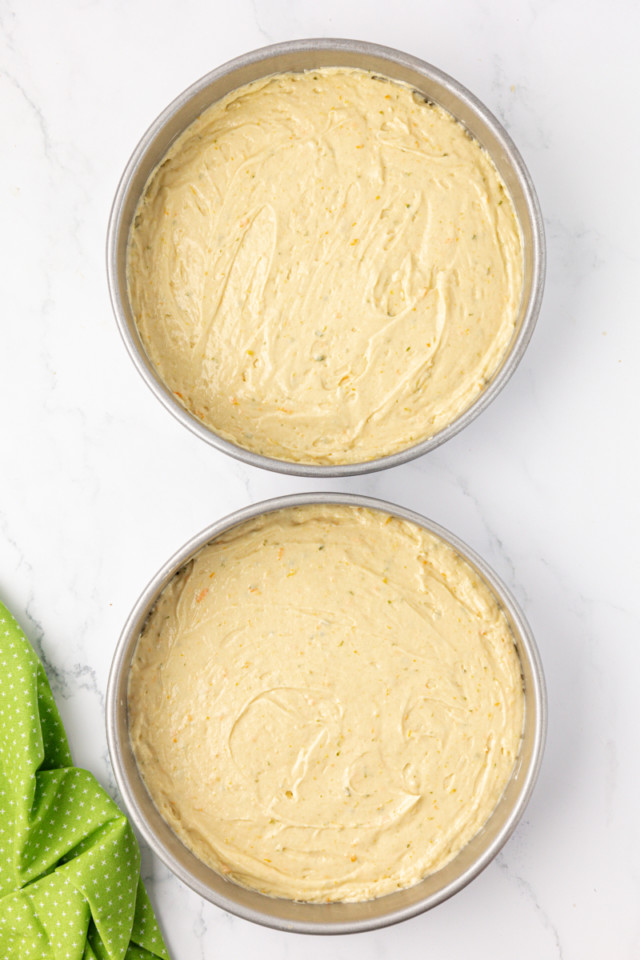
(98,484)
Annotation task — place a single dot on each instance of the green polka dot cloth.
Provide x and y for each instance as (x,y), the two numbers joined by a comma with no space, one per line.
(70,886)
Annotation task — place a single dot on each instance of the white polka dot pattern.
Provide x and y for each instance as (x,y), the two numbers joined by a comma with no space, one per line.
(69,863)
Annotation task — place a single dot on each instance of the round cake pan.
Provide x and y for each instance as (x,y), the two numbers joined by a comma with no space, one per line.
(325,918)
(299,55)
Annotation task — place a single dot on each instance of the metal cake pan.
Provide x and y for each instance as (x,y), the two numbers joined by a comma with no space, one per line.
(325,918)
(300,55)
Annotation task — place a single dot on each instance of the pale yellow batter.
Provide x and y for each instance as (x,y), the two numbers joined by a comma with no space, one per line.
(325,268)
(326,704)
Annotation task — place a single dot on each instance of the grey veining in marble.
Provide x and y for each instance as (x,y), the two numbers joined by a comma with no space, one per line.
(98,484)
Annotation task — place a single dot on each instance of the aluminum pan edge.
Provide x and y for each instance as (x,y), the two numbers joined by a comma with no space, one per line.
(303,54)
(294,916)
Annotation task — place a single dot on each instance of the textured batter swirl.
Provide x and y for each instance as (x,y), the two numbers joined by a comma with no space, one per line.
(326,703)
(325,268)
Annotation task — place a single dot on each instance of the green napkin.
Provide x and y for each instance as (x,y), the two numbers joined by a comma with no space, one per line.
(70,886)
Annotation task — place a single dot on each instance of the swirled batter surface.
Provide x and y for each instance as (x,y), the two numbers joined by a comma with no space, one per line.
(326,703)
(325,268)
